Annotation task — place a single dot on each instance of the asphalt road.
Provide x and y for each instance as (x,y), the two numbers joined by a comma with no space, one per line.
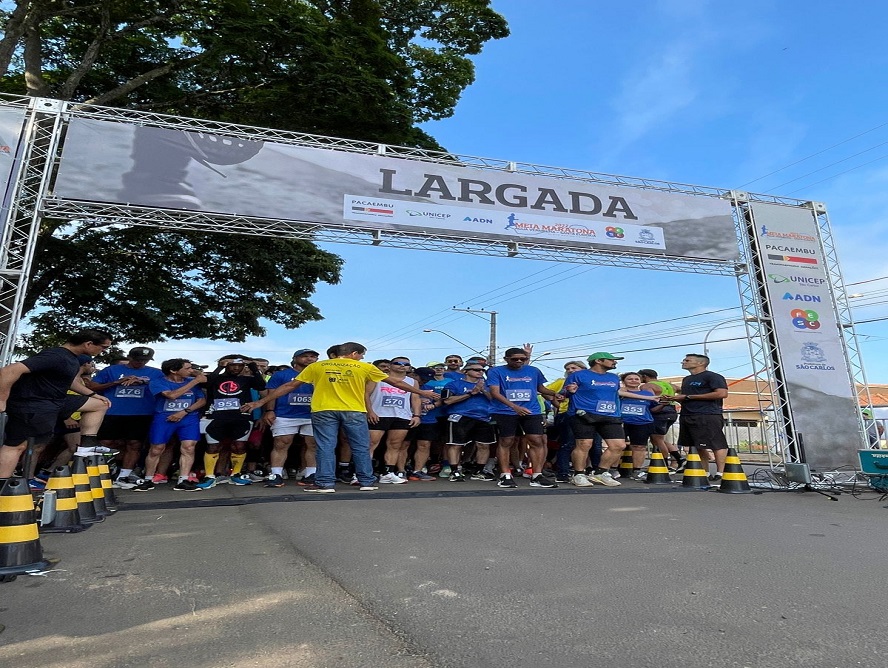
(434,574)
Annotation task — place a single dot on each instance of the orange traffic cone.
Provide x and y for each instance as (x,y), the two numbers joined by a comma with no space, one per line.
(733,478)
(20,550)
(626,464)
(695,476)
(657,473)
(67,517)
(95,487)
(83,493)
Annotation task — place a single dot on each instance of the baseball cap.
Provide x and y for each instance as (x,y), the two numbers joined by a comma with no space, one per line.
(603,356)
(141,353)
(302,351)
(433,364)
(424,372)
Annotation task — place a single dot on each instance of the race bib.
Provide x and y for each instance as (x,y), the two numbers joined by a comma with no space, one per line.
(176,405)
(632,409)
(298,399)
(132,392)
(519,395)
(606,407)
(454,418)
(226,404)
(393,402)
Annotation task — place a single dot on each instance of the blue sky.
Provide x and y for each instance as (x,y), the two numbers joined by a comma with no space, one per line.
(779,97)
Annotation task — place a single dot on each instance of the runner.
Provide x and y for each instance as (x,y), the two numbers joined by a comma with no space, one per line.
(391,412)
(469,402)
(289,416)
(665,415)
(638,423)
(178,400)
(515,388)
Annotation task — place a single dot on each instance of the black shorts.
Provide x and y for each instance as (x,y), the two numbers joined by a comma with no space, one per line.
(22,426)
(638,434)
(588,425)
(125,427)
(508,425)
(462,430)
(427,432)
(662,424)
(389,424)
(702,431)
(72,404)
(229,429)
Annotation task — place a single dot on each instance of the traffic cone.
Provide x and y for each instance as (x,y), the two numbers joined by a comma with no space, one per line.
(67,517)
(107,485)
(695,476)
(20,550)
(83,493)
(95,487)
(657,473)
(733,478)
(626,464)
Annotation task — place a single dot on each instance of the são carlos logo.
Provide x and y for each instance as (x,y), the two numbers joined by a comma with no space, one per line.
(804,319)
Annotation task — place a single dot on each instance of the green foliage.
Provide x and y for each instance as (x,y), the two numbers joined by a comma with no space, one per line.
(363,69)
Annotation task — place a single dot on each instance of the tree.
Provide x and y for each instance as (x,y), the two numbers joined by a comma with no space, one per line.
(363,69)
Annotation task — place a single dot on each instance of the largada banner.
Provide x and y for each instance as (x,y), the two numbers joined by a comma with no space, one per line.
(12,120)
(822,395)
(126,164)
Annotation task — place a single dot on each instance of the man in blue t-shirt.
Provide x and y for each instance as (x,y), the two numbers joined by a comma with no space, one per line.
(289,416)
(468,403)
(515,388)
(126,423)
(595,409)
(177,404)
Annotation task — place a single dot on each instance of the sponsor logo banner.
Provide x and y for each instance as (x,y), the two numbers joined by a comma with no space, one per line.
(146,166)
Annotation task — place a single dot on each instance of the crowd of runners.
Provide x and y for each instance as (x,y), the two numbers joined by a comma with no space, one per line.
(334,419)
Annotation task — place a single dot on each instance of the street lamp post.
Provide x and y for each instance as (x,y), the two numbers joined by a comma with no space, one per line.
(462,343)
(748,318)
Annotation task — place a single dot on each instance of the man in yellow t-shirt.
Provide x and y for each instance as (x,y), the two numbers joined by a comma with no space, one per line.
(338,402)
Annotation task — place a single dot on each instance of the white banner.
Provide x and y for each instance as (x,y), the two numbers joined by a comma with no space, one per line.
(115,162)
(810,343)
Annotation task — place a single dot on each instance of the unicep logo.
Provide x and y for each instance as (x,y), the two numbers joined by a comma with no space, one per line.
(805,319)
(427,214)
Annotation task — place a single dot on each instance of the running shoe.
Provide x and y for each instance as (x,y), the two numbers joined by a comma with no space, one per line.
(241,479)
(681,466)
(185,486)
(160,479)
(36,485)
(97,450)
(127,482)
(638,475)
(562,477)
(457,476)
(223,479)
(615,473)
(308,480)
(257,475)
(275,480)
(419,476)
(345,476)
(581,480)
(716,478)
(207,483)
(445,471)
(144,486)
(605,478)
(505,480)
(392,479)
(317,489)
(354,482)
(540,480)
(484,475)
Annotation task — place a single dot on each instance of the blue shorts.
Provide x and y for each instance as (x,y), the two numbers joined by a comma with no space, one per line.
(187,429)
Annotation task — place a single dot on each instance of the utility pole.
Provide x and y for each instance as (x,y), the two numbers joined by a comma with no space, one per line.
(491,316)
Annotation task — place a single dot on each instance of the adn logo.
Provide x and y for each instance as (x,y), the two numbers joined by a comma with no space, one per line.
(804,319)
(614,232)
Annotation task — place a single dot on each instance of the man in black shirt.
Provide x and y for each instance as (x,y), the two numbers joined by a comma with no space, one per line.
(32,393)
(702,398)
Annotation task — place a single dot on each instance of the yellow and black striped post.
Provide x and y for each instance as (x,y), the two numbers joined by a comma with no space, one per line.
(95,487)
(83,493)
(107,485)
(67,517)
(626,464)
(20,550)
(695,476)
(658,472)
(733,477)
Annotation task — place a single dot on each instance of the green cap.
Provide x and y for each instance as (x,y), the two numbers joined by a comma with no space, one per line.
(434,364)
(603,356)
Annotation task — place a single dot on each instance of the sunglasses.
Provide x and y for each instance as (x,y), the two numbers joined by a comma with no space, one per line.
(401,363)
(518,359)
(475,369)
